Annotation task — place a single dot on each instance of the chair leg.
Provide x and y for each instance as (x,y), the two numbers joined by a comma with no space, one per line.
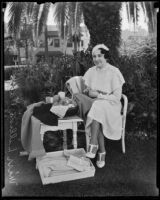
(64,139)
(123,142)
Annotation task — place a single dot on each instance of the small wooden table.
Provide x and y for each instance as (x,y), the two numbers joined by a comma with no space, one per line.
(63,124)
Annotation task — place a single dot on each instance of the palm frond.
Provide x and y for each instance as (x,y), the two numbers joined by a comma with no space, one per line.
(79,15)
(148,10)
(150,15)
(128,12)
(30,10)
(61,16)
(133,12)
(35,14)
(43,17)
(143,8)
(16,11)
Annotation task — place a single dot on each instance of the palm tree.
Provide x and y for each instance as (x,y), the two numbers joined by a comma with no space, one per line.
(19,13)
(41,25)
(103,21)
(104,24)
(33,14)
(68,16)
(101,18)
(149,13)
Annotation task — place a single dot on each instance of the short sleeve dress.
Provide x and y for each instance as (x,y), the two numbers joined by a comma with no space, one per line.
(106,112)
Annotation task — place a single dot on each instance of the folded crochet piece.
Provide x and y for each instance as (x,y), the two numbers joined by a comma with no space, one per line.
(60,110)
(78,153)
(80,164)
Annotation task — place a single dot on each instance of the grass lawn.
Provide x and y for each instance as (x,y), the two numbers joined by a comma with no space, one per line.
(130,174)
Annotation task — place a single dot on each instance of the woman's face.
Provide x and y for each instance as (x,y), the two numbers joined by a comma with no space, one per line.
(98,58)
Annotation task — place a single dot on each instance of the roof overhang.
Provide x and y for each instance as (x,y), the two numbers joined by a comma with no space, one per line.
(50,53)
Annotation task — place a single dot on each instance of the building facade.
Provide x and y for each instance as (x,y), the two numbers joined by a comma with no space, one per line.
(57,46)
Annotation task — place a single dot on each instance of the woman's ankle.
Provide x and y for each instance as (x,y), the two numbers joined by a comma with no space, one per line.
(92,150)
(101,151)
(93,142)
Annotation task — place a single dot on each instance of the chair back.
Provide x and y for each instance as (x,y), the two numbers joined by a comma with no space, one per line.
(75,85)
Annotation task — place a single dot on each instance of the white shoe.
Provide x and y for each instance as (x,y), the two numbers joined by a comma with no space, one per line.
(101,160)
(92,150)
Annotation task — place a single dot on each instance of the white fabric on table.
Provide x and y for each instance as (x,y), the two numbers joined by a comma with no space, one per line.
(60,110)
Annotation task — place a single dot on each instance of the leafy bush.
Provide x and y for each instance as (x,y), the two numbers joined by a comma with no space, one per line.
(41,80)
(139,68)
(8,57)
(8,72)
(82,62)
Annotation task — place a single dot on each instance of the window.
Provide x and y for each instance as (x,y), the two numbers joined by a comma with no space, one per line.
(56,43)
(69,44)
(50,41)
(41,43)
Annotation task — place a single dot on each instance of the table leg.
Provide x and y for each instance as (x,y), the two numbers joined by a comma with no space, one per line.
(64,139)
(74,135)
(42,133)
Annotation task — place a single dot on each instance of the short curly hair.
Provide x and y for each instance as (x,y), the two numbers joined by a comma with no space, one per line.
(106,53)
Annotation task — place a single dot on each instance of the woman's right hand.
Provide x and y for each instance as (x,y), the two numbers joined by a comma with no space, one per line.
(93,93)
(85,91)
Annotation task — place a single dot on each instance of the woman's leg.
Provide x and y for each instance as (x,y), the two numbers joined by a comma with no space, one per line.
(95,127)
(101,140)
(102,151)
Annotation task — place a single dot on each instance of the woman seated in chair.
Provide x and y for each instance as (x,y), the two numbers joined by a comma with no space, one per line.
(104,86)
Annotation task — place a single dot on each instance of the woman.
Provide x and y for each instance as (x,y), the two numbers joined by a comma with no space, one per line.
(104,84)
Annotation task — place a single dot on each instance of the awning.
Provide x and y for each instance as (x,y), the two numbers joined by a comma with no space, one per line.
(50,53)
(52,34)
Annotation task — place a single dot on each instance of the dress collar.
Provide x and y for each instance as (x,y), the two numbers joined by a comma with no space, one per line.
(103,69)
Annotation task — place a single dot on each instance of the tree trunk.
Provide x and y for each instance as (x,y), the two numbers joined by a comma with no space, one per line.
(152,30)
(46,44)
(75,46)
(25,38)
(18,50)
(76,64)
(26,45)
(104,24)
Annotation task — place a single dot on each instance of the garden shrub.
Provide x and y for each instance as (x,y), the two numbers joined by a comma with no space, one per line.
(139,68)
(8,57)
(41,80)
(8,72)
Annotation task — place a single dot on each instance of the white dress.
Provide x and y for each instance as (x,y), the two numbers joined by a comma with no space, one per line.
(106,111)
